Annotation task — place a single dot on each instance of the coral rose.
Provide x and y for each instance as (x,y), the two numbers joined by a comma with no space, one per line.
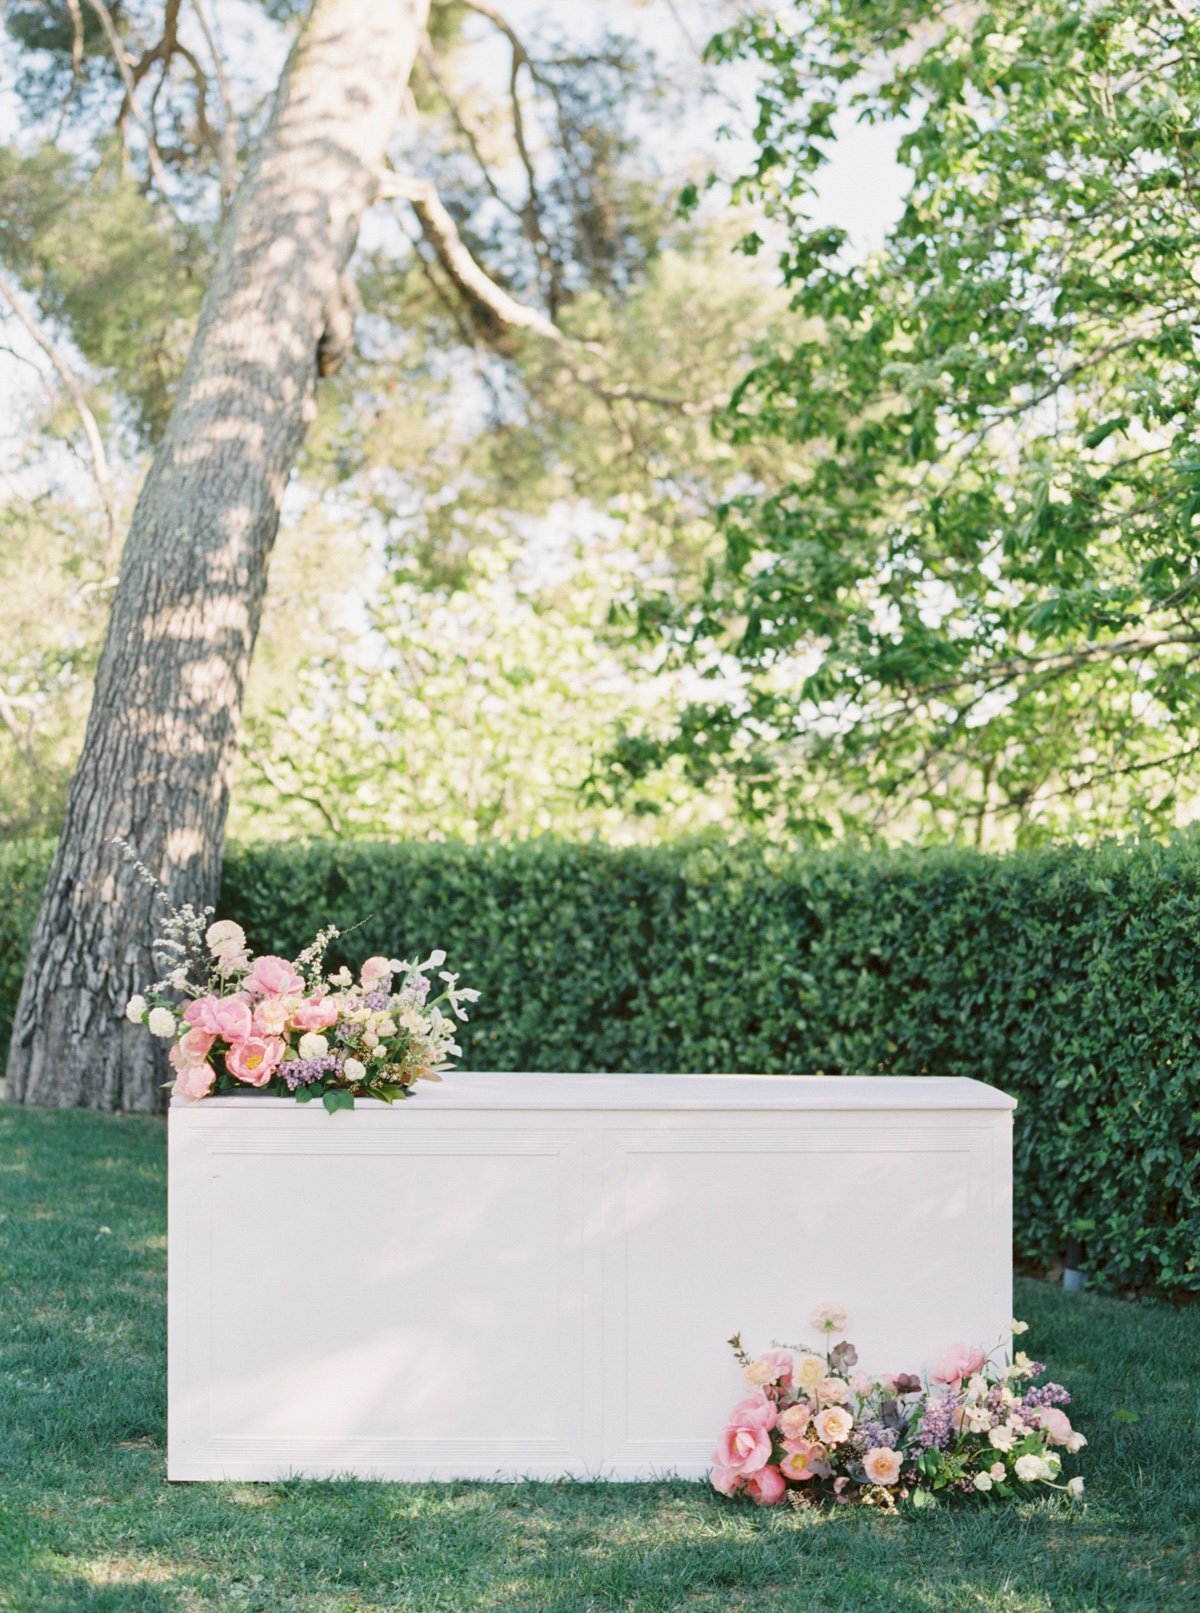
(795,1419)
(271,1015)
(834,1424)
(881,1465)
(274,977)
(253,1060)
(766,1486)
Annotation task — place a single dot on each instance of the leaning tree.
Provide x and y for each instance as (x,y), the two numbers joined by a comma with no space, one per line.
(276,317)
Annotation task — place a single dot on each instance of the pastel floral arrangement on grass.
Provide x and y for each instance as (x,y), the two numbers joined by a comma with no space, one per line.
(815,1428)
(286,1028)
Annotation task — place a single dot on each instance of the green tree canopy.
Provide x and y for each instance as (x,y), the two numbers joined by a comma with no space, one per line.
(974,610)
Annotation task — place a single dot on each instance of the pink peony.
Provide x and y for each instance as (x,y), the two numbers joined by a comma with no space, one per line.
(803,1460)
(766,1486)
(200,1014)
(274,977)
(374,969)
(745,1445)
(231,1018)
(726,1480)
(193,1080)
(316,1014)
(959,1362)
(254,1058)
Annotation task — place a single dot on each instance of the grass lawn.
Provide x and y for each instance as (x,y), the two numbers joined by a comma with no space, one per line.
(88,1521)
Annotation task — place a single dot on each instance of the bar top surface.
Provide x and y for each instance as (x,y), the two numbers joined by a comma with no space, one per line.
(505,1089)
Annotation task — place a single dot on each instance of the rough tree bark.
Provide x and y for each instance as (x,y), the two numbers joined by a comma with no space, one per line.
(161,736)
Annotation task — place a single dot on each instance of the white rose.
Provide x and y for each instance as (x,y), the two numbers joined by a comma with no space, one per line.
(983,1481)
(313,1045)
(1031,1468)
(1075,1441)
(135,1010)
(1075,1488)
(354,1070)
(161,1022)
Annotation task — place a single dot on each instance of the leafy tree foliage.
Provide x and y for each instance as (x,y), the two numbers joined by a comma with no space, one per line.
(974,610)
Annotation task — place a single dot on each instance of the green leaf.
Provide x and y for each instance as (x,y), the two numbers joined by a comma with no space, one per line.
(337,1098)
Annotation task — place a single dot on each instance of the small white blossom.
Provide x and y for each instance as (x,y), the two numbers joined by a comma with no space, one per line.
(1001,1438)
(161,1022)
(1075,1487)
(1019,1327)
(983,1481)
(354,1069)
(1031,1468)
(135,1010)
(313,1045)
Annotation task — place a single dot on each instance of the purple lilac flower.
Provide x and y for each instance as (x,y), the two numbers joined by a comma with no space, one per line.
(875,1434)
(378,999)
(417,986)
(1050,1394)
(936,1423)
(302,1072)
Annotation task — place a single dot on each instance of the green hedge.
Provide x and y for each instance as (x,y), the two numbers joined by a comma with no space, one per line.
(1069,978)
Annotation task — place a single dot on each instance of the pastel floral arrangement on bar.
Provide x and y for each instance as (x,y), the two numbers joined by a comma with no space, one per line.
(286,1028)
(815,1428)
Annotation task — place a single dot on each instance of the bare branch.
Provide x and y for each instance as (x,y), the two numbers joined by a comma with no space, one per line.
(494,308)
(87,419)
(76,59)
(122,61)
(497,313)
(227,142)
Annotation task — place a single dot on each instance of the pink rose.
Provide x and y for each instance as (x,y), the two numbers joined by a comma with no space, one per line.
(1056,1423)
(274,977)
(862,1384)
(192,1080)
(745,1445)
(316,1014)
(254,1058)
(194,1046)
(959,1362)
(766,1486)
(374,969)
(726,1480)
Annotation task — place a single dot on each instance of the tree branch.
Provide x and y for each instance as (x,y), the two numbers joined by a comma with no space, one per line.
(87,419)
(122,61)
(227,142)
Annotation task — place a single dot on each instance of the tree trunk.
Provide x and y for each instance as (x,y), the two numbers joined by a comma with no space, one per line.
(162,732)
